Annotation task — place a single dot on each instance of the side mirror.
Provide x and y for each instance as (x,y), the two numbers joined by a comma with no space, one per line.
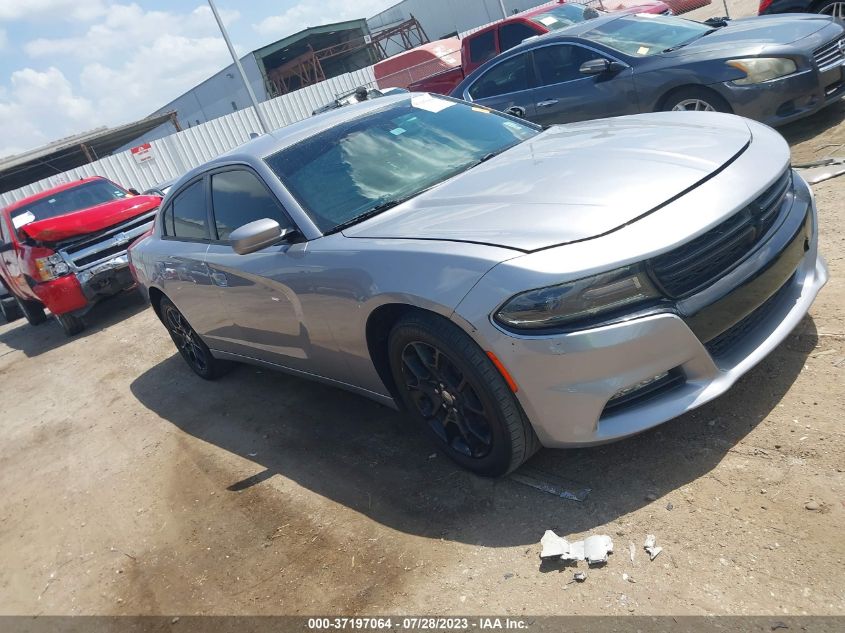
(257,235)
(600,66)
(133,191)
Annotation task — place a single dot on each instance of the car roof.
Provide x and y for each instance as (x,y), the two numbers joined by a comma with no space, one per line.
(49,192)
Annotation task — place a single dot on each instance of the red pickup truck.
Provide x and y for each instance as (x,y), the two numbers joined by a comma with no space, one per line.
(65,249)
(486,43)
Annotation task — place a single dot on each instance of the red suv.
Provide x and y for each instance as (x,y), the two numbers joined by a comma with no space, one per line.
(65,249)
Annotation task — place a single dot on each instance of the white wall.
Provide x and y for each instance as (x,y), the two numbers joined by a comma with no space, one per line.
(177,153)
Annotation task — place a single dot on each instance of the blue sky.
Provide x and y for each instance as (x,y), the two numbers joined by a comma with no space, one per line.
(67,66)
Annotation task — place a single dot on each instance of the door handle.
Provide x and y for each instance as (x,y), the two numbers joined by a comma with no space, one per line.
(547,104)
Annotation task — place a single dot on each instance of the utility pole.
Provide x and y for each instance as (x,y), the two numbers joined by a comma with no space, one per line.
(504,11)
(264,126)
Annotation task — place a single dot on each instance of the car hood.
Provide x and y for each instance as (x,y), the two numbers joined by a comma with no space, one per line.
(775,29)
(89,220)
(570,183)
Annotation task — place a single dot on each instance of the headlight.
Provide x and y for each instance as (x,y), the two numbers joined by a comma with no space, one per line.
(584,298)
(51,267)
(760,69)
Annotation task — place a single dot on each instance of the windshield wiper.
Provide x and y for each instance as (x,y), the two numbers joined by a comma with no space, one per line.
(689,41)
(381,207)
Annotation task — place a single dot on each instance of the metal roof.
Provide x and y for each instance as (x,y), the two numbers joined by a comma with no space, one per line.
(67,153)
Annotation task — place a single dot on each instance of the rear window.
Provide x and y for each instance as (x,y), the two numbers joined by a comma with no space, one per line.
(482,47)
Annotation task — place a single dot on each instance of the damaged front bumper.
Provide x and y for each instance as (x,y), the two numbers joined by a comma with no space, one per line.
(608,382)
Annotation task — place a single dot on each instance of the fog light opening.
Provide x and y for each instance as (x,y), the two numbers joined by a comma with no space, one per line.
(640,385)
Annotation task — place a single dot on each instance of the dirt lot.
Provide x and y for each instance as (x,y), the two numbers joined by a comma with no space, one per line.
(132,487)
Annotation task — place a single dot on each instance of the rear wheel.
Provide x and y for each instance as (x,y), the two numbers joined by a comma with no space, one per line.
(72,325)
(10,309)
(458,396)
(32,310)
(694,99)
(190,345)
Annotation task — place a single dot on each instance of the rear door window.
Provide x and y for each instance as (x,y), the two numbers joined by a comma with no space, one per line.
(239,197)
(511,35)
(511,75)
(482,47)
(190,213)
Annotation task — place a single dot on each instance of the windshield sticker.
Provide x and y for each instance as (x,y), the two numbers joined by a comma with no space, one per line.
(431,104)
(397,131)
(647,15)
(512,125)
(643,50)
(548,20)
(484,110)
(23,218)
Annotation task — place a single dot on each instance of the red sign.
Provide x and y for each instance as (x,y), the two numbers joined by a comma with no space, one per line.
(142,153)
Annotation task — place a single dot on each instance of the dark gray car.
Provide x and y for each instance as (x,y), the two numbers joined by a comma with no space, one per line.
(773,69)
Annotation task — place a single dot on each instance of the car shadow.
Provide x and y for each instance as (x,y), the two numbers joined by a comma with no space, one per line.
(36,340)
(815,126)
(365,456)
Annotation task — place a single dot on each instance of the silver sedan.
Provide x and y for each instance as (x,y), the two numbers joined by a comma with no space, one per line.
(507,287)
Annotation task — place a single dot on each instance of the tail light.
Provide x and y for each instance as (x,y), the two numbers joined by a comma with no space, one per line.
(764,4)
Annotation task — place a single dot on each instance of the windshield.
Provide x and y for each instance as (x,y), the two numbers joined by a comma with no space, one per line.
(89,194)
(370,163)
(564,15)
(641,36)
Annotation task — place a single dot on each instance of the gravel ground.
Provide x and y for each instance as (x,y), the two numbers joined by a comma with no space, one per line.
(132,487)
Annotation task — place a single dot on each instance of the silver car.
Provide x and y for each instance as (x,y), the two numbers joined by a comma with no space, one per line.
(507,287)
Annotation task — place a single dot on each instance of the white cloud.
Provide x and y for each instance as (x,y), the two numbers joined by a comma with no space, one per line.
(85,10)
(126,26)
(39,107)
(131,62)
(317,12)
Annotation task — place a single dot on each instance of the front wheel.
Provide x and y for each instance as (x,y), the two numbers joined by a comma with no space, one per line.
(71,325)
(455,392)
(695,99)
(32,310)
(190,345)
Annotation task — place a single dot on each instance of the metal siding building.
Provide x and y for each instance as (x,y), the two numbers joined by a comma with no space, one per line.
(441,18)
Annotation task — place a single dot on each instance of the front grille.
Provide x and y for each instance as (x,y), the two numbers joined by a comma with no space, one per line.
(725,342)
(830,55)
(107,244)
(700,262)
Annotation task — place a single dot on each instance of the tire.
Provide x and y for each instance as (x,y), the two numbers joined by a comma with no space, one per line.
(453,390)
(833,8)
(10,309)
(32,310)
(72,325)
(695,99)
(190,345)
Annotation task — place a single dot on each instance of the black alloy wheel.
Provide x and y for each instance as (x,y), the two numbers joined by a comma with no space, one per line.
(446,400)
(190,345)
(449,385)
